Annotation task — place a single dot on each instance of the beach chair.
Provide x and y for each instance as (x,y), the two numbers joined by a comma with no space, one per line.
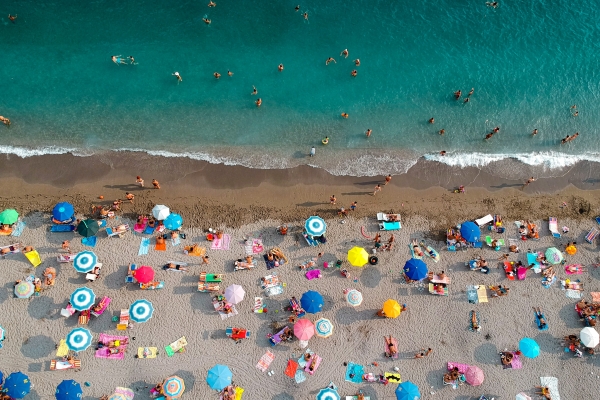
(105,302)
(388,217)
(13,248)
(56,365)
(208,287)
(123,322)
(438,288)
(553,226)
(65,258)
(91,277)
(118,231)
(259,306)
(484,220)
(241,264)
(34,257)
(296,308)
(310,240)
(147,352)
(275,339)
(389,226)
(431,252)
(592,235)
(237,333)
(62,228)
(67,311)
(84,317)
(177,346)
(204,277)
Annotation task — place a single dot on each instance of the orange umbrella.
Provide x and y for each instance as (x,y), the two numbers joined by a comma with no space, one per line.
(571,249)
(391,308)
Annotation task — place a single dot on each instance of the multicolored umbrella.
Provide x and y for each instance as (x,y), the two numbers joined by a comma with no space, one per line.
(219,377)
(79,339)
(312,302)
(141,311)
(88,227)
(85,261)
(354,297)
(144,274)
(407,391)
(391,308)
(304,329)
(24,289)
(122,393)
(68,390)
(554,255)
(234,294)
(160,212)
(529,347)
(315,226)
(173,222)
(9,216)
(63,211)
(16,385)
(470,232)
(82,298)
(173,387)
(474,375)
(589,337)
(415,269)
(323,327)
(328,393)
(357,256)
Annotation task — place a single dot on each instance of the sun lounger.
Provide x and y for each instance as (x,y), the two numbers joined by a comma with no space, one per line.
(317,362)
(389,226)
(241,264)
(484,220)
(65,258)
(431,252)
(499,242)
(265,361)
(592,235)
(56,365)
(208,287)
(386,348)
(34,257)
(509,270)
(310,240)
(118,231)
(89,241)
(123,322)
(439,289)
(84,317)
(532,260)
(259,306)
(553,226)
(147,352)
(204,277)
(106,301)
(13,248)
(412,250)
(18,229)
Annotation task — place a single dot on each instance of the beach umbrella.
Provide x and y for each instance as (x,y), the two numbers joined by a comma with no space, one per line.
(354,297)
(315,226)
(143,274)
(88,227)
(589,337)
(160,212)
(474,375)
(24,289)
(63,211)
(173,222)
(571,250)
(415,269)
(9,216)
(1,379)
(357,256)
(1,339)
(304,329)
(323,327)
(328,393)
(219,377)
(529,347)
(407,391)
(554,255)
(173,387)
(16,385)
(391,308)
(122,393)
(470,231)
(312,301)
(522,396)
(68,390)
(82,298)
(234,294)
(85,261)
(79,339)
(141,311)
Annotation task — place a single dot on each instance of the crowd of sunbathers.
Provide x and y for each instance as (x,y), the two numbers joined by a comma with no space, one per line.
(452,376)
(388,246)
(229,393)
(588,312)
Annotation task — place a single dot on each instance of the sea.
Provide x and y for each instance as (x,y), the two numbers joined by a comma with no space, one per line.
(528,61)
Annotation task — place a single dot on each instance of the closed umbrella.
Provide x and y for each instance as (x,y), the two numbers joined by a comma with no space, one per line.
(589,337)
(141,311)
(79,339)
(24,289)
(474,375)
(160,212)
(357,256)
(391,308)
(68,390)
(554,255)
(354,297)
(63,211)
(470,232)
(88,227)
(407,391)
(315,226)
(312,302)
(82,298)
(9,216)
(234,294)
(143,274)
(16,385)
(85,261)
(323,327)
(415,269)
(219,377)
(529,347)
(173,222)
(328,393)
(173,387)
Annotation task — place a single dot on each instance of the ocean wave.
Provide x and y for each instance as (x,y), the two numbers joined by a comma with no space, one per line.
(25,152)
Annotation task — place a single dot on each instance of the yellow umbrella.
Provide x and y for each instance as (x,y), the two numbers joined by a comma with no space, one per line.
(358,256)
(571,249)
(391,308)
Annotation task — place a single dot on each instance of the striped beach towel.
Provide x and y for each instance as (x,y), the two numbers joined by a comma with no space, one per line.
(551,383)
(265,361)
(221,244)
(18,229)
(144,246)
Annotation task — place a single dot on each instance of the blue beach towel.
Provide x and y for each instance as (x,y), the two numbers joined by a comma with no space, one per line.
(149,230)
(18,229)
(144,246)
(89,241)
(537,321)
(356,370)
(176,241)
(62,228)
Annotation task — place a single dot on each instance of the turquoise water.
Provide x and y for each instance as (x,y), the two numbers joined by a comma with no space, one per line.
(528,61)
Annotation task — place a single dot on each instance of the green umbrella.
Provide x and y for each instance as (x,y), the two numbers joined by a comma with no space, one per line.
(88,228)
(554,255)
(9,216)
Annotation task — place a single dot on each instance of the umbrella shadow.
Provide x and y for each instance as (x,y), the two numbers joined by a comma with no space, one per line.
(6,290)
(349,315)
(370,277)
(79,280)
(435,379)
(116,279)
(548,343)
(102,323)
(311,204)
(38,346)
(33,395)
(486,353)
(328,303)
(35,219)
(36,367)
(188,378)
(42,308)
(284,396)
(570,317)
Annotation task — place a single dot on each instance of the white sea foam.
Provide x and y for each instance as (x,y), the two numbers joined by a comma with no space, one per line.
(25,152)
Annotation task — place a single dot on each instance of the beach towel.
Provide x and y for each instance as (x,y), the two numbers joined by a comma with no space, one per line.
(552,384)
(412,252)
(386,348)
(300,376)
(257,246)
(578,269)
(532,259)
(482,294)
(472,294)
(516,362)
(317,359)
(139,228)
(176,241)
(301,360)
(144,247)
(313,274)
(89,241)
(62,350)
(292,367)
(462,368)
(393,377)
(537,321)
(265,361)
(149,230)
(248,247)
(160,247)
(573,294)
(354,373)
(546,283)
(270,263)
(62,228)
(104,351)
(595,297)
(18,229)
(471,327)
(221,244)
(147,352)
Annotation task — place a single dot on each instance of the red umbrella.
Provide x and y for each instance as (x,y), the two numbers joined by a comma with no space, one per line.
(304,329)
(474,375)
(144,274)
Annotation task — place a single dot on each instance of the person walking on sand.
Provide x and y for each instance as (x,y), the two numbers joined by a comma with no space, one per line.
(155,184)
(332,199)
(530,180)
(377,189)
(353,205)
(330,59)
(368,133)
(66,246)
(129,196)
(388,179)
(178,76)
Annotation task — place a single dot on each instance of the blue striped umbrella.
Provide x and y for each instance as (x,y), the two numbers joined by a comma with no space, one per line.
(173,222)
(328,394)
(79,339)
(141,311)
(85,261)
(17,385)
(83,298)
(68,390)
(315,226)
(323,327)
(63,211)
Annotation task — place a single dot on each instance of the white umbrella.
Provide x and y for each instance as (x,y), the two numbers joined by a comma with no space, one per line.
(234,294)
(160,212)
(589,337)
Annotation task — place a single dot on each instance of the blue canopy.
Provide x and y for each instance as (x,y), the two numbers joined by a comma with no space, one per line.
(17,385)
(63,211)
(312,302)
(85,261)
(315,226)
(529,347)
(68,390)
(415,269)
(407,391)
(470,232)
(219,377)
(173,222)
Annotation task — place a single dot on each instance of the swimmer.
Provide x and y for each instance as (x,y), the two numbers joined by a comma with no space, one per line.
(178,76)
(212,4)
(345,115)
(330,59)
(254,91)
(131,60)
(12,17)
(489,135)
(297,8)
(258,102)
(471,92)
(457,94)
(565,140)
(431,120)
(5,120)
(368,133)
(229,73)
(280,67)
(497,129)
(576,113)
(354,72)
(357,62)
(442,131)
(443,153)
(574,106)
(117,60)
(574,136)
(491,4)
(326,141)
(344,53)
(535,132)
(467,100)
(206,21)
(217,75)
(305,15)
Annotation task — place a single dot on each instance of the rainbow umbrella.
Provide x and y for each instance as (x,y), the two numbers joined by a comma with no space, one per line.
(24,289)
(357,256)
(173,387)
(304,329)
(323,327)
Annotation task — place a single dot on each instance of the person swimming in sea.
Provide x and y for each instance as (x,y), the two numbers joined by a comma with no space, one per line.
(493,4)
(326,140)
(357,62)
(178,76)
(5,120)
(206,20)
(297,8)
(118,60)
(368,133)
(12,18)
(212,4)
(305,15)
(258,102)
(254,91)
(330,59)
(344,53)
(345,115)
(280,67)
(354,72)
(489,135)
(217,75)
(131,60)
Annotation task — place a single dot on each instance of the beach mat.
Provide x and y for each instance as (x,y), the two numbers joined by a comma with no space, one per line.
(413,254)
(516,362)
(160,247)
(300,376)
(471,321)
(62,350)
(221,244)
(149,230)
(176,241)
(144,247)
(265,361)
(573,294)
(89,241)
(104,351)
(18,229)
(291,368)
(386,348)
(578,270)
(551,383)
(356,370)
(147,352)
(393,377)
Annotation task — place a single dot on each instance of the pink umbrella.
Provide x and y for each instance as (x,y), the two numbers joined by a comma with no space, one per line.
(474,375)
(144,274)
(304,329)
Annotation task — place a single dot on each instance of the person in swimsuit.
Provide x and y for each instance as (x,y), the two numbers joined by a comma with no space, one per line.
(280,67)
(254,91)
(357,62)
(297,8)
(258,102)
(178,76)
(229,73)
(391,348)
(217,75)
(5,120)
(431,120)
(305,15)
(118,60)
(457,94)
(344,53)
(131,60)
(212,4)
(175,267)
(354,72)
(206,21)
(12,17)
(535,132)
(368,133)
(345,115)
(330,59)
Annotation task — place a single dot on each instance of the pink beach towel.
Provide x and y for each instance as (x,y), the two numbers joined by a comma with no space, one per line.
(462,368)
(104,352)
(317,360)
(265,361)
(516,362)
(221,244)
(257,246)
(577,269)
(386,348)
(140,227)
(313,274)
